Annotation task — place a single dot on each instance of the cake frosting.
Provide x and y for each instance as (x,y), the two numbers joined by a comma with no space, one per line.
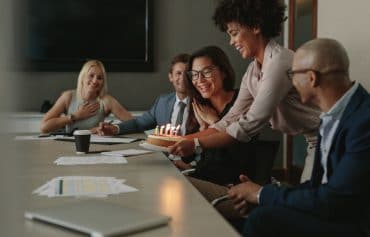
(161,140)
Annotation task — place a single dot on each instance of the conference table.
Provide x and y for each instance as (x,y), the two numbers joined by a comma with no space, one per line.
(162,189)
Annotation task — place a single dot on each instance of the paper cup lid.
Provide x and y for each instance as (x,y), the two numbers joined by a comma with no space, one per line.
(82,132)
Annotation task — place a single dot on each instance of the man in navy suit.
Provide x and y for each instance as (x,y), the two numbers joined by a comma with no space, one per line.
(336,201)
(165,109)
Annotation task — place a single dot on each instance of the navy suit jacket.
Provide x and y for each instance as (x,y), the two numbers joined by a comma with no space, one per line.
(346,196)
(159,114)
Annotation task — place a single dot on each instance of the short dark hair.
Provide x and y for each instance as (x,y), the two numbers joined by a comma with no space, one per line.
(220,60)
(268,15)
(180,58)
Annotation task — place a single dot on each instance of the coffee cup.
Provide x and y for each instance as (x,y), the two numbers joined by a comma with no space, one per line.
(82,141)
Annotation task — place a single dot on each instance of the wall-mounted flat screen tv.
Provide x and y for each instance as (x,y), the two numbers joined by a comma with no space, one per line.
(62,35)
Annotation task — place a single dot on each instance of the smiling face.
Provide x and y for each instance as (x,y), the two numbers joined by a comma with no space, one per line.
(302,81)
(213,84)
(94,80)
(176,77)
(244,40)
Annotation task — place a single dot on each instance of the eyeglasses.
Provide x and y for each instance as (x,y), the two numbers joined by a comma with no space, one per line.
(290,73)
(206,73)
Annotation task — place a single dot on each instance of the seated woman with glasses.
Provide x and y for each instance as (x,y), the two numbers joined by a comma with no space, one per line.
(266,95)
(85,107)
(210,81)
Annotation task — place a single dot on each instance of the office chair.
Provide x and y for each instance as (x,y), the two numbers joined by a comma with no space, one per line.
(266,152)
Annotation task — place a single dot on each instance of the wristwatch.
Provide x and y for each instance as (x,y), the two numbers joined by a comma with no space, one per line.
(197,147)
(72,118)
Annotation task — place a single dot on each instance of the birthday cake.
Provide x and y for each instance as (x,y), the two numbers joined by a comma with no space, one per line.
(162,140)
(164,136)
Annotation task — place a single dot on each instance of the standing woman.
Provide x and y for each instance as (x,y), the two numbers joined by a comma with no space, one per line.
(266,94)
(85,107)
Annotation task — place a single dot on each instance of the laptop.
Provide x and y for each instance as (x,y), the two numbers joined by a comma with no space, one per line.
(98,218)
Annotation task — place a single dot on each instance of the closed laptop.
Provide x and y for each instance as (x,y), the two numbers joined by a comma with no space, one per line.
(98,218)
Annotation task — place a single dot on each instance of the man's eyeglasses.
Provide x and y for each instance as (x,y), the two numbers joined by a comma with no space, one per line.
(290,73)
(206,73)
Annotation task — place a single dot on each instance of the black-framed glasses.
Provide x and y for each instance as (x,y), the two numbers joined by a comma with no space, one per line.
(290,73)
(206,73)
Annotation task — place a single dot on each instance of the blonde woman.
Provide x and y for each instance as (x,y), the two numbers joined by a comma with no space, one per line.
(86,106)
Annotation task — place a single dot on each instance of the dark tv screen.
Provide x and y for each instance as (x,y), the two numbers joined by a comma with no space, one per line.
(62,35)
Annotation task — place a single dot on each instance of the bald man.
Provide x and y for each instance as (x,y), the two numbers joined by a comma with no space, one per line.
(336,201)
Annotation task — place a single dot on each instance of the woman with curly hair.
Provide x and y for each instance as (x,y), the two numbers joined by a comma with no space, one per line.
(266,94)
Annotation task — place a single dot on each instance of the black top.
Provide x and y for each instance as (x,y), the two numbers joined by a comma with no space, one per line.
(224,165)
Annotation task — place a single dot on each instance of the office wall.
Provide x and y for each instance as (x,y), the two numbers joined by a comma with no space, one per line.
(348,22)
(179,26)
(10,169)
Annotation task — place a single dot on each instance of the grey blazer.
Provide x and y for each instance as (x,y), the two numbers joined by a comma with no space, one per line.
(159,114)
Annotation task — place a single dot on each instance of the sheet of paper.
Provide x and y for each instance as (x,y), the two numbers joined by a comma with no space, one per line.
(100,139)
(35,137)
(127,152)
(148,132)
(152,147)
(90,160)
(91,186)
(104,140)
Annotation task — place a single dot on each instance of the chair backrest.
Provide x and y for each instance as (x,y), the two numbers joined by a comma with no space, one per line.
(266,152)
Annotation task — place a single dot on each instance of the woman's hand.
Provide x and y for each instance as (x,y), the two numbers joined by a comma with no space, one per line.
(202,124)
(181,164)
(206,113)
(182,148)
(87,110)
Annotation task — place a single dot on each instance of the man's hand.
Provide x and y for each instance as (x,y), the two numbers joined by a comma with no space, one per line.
(183,148)
(106,129)
(243,193)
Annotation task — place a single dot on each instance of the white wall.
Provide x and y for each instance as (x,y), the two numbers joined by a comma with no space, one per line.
(348,22)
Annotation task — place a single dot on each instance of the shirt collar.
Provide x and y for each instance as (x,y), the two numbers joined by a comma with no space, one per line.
(186,100)
(266,58)
(338,108)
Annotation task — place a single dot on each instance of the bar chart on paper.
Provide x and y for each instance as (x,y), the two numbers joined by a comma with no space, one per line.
(84,186)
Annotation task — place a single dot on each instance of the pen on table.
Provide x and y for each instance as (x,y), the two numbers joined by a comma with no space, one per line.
(219,199)
(44,135)
(60,186)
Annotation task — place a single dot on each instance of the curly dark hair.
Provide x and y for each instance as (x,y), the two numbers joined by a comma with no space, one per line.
(268,15)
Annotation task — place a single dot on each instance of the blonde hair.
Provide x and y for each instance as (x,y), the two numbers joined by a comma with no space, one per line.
(85,68)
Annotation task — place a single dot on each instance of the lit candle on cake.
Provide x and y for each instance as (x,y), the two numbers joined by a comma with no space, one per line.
(176,130)
(167,130)
(172,131)
(161,130)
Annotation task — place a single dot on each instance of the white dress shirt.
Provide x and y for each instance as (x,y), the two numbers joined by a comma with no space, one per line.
(330,122)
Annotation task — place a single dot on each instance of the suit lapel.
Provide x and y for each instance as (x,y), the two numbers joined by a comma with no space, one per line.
(352,106)
(171,103)
(317,170)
